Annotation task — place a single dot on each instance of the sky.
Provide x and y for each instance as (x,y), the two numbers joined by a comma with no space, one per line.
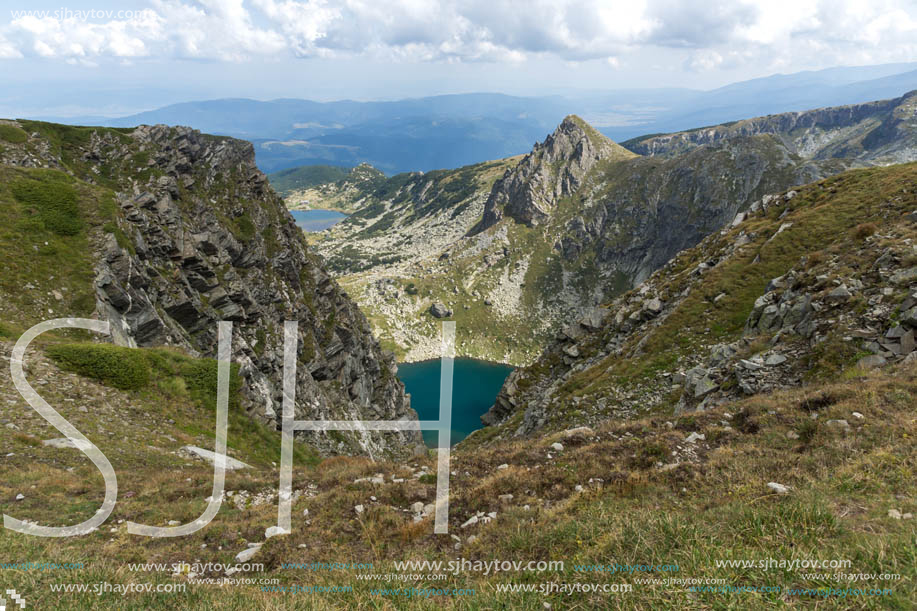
(102,57)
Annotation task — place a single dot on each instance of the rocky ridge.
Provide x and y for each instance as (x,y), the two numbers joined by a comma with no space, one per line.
(715,324)
(881,133)
(198,236)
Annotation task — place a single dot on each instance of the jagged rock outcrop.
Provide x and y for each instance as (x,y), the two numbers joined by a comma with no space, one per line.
(555,169)
(200,237)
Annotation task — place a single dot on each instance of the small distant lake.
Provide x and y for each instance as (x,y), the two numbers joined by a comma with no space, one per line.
(475,385)
(317,220)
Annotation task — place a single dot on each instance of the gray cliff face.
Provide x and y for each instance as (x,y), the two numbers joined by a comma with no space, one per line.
(645,211)
(202,238)
(879,132)
(554,169)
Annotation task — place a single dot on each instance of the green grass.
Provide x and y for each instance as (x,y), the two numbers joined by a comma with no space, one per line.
(12,134)
(53,198)
(714,507)
(46,221)
(244,227)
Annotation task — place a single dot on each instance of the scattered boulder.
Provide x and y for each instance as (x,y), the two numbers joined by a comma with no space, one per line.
(871,362)
(840,294)
(594,318)
(775,359)
(439,310)
(704,386)
(904,276)
(579,432)
(908,344)
(653,306)
(470,522)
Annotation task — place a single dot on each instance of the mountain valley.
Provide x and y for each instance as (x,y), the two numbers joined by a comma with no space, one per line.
(516,248)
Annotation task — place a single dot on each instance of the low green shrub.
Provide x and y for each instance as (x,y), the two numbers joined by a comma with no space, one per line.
(124,368)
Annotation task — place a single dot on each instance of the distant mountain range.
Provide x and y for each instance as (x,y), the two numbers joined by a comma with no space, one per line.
(454,130)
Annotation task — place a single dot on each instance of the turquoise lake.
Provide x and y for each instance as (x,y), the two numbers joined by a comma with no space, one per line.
(317,220)
(475,385)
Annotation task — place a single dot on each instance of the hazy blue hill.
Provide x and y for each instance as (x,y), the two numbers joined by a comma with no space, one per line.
(305,118)
(776,94)
(449,131)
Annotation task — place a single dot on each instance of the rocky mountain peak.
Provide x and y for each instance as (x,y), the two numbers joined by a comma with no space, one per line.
(555,169)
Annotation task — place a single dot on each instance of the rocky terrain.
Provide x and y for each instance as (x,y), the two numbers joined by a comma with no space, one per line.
(173,230)
(518,248)
(808,284)
(881,133)
(780,468)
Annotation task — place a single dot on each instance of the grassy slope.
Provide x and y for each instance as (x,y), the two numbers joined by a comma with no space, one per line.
(37,258)
(714,506)
(824,219)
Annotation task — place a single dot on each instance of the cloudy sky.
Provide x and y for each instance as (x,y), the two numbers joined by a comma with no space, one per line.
(113,57)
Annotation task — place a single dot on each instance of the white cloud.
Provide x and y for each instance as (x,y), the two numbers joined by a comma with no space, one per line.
(708,35)
(7,49)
